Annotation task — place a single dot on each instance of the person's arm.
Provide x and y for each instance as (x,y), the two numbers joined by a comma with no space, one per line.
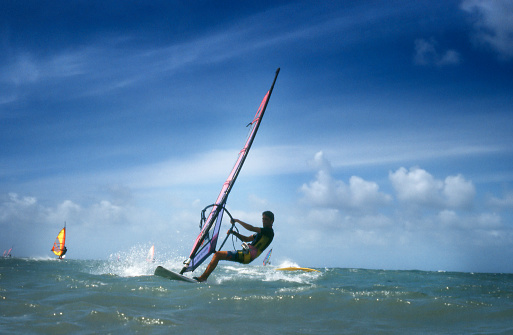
(242,237)
(247,226)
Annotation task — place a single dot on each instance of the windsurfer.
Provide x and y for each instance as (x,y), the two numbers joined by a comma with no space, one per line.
(259,242)
(64,250)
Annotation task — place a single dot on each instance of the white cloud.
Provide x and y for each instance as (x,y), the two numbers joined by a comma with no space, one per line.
(426,53)
(364,193)
(493,24)
(325,191)
(458,192)
(418,187)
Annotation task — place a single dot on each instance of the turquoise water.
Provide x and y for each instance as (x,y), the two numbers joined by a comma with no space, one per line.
(47,296)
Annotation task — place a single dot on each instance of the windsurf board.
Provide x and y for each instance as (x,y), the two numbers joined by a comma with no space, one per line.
(163,272)
(293,268)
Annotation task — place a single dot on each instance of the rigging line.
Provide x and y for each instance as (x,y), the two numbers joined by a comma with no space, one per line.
(234,237)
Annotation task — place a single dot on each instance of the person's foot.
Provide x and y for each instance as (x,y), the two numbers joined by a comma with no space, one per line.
(199,279)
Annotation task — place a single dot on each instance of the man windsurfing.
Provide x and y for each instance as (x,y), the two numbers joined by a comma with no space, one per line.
(259,242)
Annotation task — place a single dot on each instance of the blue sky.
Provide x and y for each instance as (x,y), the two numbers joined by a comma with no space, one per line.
(387,142)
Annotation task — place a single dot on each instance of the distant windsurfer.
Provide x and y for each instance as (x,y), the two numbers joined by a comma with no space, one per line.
(259,242)
(64,250)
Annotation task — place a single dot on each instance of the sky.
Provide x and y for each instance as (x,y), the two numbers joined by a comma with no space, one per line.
(387,142)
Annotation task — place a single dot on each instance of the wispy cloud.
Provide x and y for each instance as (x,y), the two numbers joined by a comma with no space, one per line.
(505,202)
(427,53)
(26,68)
(493,24)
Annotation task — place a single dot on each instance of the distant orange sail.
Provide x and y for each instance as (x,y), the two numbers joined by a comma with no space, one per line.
(60,241)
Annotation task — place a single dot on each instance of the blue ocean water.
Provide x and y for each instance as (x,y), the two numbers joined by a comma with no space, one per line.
(48,296)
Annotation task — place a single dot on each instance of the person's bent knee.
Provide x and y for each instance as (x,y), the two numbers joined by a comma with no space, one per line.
(220,255)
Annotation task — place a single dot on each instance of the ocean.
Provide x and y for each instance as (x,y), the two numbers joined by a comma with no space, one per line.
(48,296)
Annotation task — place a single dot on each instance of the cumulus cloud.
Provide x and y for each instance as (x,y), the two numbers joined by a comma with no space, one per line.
(419,187)
(352,216)
(493,24)
(426,53)
(458,192)
(325,191)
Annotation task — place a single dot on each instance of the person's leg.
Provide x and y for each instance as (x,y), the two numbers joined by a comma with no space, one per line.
(218,256)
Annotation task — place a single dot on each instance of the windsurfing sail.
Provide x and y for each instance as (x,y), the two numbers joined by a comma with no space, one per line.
(151,254)
(7,253)
(267,259)
(206,242)
(59,246)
